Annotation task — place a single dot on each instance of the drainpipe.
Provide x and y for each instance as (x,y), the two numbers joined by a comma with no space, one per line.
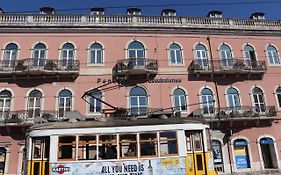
(213,76)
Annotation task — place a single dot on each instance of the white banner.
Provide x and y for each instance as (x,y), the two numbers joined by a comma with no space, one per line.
(167,166)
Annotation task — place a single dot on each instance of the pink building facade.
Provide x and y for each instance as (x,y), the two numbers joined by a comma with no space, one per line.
(225,71)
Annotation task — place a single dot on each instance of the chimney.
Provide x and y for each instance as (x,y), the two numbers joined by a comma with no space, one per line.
(258,15)
(97,11)
(133,11)
(215,14)
(168,12)
(47,10)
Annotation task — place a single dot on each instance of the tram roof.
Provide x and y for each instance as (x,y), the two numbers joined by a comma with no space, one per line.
(116,123)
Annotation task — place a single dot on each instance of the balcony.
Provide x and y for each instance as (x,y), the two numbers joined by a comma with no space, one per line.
(30,117)
(39,67)
(242,115)
(135,70)
(227,67)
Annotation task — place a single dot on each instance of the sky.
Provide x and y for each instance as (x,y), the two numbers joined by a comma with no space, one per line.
(230,8)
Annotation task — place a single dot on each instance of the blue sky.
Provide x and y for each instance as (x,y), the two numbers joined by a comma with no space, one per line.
(243,8)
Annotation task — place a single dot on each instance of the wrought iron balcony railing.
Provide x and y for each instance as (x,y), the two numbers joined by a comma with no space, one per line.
(135,66)
(37,116)
(39,65)
(243,112)
(227,66)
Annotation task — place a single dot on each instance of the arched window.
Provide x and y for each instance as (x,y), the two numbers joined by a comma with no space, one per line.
(217,156)
(268,153)
(5,103)
(233,98)
(278,96)
(136,54)
(226,55)
(201,56)
(34,103)
(10,55)
(39,54)
(39,51)
(67,54)
(241,154)
(3,153)
(258,100)
(249,54)
(64,102)
(136,50)
(96,54)
(207,100)
(179,100)
(138,101)
(273,56)
(95,105)
(175,53)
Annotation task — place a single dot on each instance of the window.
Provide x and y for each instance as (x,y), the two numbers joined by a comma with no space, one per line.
(273,56)
(5,103)
(67,147)
(65,102)
(96,54)
(201,56)
(10,55)
(148,144)
(87,148)
(67,54)
(226,56)
(39,54)
(138,101)
(179,100)
(95,105)
(136,54)
(207,101)
(258,98)
(168,143)
(249,55)
(108,146)
(233,98)
(175,53)
(3,152)
(128,145)
(278,96)
(34,103)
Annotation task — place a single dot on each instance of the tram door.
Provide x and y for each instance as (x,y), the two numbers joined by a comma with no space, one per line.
(39,164)
(195,160)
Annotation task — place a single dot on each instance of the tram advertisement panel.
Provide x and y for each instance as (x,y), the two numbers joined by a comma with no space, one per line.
(169,166)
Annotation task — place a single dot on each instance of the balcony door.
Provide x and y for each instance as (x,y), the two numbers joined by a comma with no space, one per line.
(67,54)
(39,55)
(10,56)
(136,54)
(138,101)
(201,56)
(258,100)
(34,104)
(226,56)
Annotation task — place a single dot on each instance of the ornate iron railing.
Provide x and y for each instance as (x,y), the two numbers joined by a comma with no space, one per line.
(126,65)
(225,65)
(242,112)
(37,116)
(39,65)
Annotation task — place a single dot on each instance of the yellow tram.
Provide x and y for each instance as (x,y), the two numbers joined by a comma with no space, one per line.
(151,146)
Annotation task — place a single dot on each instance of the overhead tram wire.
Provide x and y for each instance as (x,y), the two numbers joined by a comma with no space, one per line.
(254,3)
